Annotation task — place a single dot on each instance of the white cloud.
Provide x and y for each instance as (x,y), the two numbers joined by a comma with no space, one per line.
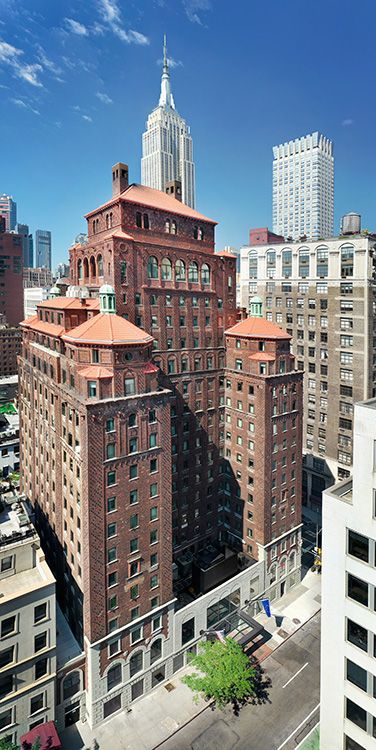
(103,98)
(47,63)
(76,27)
(26,71)
(172,62)
(25,105)
(192,7)
(87,118)
(347,123)
(111,16)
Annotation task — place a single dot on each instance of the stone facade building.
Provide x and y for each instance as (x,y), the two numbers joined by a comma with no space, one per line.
(27,627)
(324,295)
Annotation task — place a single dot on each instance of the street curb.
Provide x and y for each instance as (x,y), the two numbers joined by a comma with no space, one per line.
(311,731)
(210,703)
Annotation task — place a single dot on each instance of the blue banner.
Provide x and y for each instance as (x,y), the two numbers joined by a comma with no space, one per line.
(266,604)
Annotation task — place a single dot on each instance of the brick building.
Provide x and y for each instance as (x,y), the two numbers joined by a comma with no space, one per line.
(10,347)
(122,423)
(11,291)
(263,423)
(158,254)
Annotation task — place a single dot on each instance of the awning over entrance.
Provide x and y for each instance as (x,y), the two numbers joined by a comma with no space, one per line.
(240,626)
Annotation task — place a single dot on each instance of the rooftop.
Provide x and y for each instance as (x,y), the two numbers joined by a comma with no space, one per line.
(257,328)
(108,329)
(146,196)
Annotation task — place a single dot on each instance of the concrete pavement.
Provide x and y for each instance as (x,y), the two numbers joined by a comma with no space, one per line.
(278,721)
(162,712)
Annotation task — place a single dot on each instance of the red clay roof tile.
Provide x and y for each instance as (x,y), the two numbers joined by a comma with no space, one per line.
(257,328)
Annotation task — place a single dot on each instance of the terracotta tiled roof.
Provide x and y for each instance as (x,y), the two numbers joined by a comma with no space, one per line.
(96,372)
(108,329)
(257,328)
(226,254)
(71,303)
(146,196)
(262,357)
(42,326)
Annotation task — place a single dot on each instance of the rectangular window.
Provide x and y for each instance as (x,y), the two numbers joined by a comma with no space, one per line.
(358,546)
(8,626)
(40,641)
(36,703)
(357,589)
(40,612)
(187,631)
(356,674)
(356,714)
(357,635)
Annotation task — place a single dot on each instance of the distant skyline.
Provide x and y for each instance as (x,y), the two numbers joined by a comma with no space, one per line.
(78,79)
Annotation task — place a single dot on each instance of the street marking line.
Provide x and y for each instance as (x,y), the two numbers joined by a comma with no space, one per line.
(299,727)
(295,675)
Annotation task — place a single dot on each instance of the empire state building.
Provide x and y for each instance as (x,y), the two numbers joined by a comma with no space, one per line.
(167,150)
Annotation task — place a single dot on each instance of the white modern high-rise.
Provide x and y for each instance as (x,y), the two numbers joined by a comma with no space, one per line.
(303,187)
(167,150)
(348,616)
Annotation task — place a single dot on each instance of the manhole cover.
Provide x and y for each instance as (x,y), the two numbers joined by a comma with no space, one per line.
(282,633)
(296,621)
(170,687)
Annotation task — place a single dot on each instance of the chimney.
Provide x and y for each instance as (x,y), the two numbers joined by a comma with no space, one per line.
(173,188)
(119,178)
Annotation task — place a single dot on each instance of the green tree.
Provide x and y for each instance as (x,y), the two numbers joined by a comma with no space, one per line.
(225,673)
(7,744)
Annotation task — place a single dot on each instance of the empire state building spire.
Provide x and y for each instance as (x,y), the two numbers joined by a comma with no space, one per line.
(167,149)
(166,99)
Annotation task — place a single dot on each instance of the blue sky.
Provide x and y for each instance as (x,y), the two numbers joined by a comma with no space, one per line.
(78,79)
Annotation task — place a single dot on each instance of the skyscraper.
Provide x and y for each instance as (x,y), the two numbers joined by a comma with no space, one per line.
(303,186)
(43,249)
(167,150)
(8,209)
(27,245)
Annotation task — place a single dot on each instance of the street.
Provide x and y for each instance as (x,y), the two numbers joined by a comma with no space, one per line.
(288,711)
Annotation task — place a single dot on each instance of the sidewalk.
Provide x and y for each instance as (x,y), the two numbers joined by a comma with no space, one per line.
(162,712)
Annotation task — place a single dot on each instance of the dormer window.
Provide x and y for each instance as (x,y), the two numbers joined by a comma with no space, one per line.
(261,346)
(95,356)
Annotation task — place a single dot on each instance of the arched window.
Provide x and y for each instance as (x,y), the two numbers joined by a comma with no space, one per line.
(200,234)
(156,650)
(273,573)
(303,270)
(114,676)
(174,228)
(166,269)
(184,364)
(171,366)
(322,260)
(71,685)
(152,267)
(146,221)
(129,386)
(100,265)
(180,270)
(79,269)
(93,268)
(110,220)
(135,663)
(205,273)
(107,221)
(94,226)
(347,260)
(123,271)
(270,264)
(167,226)
(193,271)
(195,233)
(252,257)
(86,268)
(286,263)
(292,560)
(197,363)
(282,567)
(138,219)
